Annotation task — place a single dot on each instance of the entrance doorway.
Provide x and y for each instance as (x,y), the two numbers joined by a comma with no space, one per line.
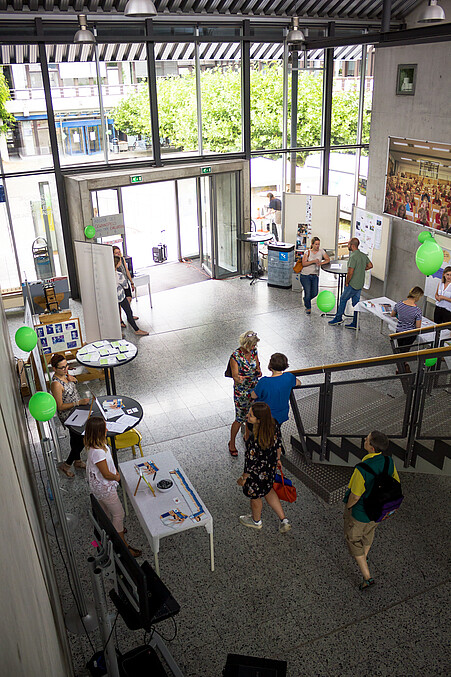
(194,217)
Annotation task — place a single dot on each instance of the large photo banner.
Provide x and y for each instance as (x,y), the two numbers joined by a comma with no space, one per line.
(418,182)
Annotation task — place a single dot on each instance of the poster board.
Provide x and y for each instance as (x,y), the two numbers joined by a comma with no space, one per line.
(57,337)
(97,281)
(374,233)
(320,213)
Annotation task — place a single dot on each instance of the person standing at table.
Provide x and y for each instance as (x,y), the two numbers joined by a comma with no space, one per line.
(102,476)
(312,260)
(276,205)
(121,285)
(126,273)
(358,264)
(67,398)
(442,312)
(409,317)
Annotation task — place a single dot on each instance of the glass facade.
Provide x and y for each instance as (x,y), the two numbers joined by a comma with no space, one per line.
(104,116)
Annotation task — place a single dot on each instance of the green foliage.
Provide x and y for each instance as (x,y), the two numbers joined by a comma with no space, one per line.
(6,119)
(221,109)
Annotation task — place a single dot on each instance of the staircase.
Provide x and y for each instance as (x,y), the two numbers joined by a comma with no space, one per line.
(327,428)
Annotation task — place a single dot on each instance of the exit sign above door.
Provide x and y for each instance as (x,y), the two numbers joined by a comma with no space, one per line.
(205,170)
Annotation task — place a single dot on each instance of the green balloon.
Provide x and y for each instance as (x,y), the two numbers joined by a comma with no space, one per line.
(26,338)
(424,235)
(430,361)
(429,257)
(325,301)
(90,232)
(42,406)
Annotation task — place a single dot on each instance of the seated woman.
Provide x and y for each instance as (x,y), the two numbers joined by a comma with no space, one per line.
(275,390)
(409,317)
(262,458)
(312,260)
(67,398)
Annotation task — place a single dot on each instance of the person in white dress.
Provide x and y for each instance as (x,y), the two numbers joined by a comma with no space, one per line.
(103,478)
(442,312)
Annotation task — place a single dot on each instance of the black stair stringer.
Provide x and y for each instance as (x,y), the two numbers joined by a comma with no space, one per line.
(395,450)
(350,447)
(435,456)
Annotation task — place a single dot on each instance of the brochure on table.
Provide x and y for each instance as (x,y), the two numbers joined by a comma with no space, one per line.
(107,353)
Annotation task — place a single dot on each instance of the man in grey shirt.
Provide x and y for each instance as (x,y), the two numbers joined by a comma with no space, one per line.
(358,264)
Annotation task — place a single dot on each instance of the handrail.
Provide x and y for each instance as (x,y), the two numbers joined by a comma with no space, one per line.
(374,361)
(422,330)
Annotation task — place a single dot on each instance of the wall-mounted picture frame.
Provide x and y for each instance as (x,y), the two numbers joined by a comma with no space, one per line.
(406,79)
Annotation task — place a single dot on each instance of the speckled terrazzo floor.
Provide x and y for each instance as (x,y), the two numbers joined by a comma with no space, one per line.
(291,596)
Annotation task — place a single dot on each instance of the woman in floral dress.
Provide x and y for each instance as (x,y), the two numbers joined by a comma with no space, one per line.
(246,371)
(263,449)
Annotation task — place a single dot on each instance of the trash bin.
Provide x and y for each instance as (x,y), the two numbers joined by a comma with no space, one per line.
(280,264)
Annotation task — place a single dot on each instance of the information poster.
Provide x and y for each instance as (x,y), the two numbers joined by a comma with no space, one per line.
(57,337)
(368,229)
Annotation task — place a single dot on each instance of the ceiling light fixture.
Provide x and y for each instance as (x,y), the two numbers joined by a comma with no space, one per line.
(432,13)
(140,8)
(295,36)
(84,35)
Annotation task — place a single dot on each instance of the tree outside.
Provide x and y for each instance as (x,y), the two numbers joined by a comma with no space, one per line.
(221,110)
(6,119)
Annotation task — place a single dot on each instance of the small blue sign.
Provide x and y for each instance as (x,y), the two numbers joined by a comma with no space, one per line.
(2,194)
(283,256)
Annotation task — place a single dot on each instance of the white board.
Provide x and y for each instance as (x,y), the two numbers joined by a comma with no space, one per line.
(374,233)
(320,211)
(97,280)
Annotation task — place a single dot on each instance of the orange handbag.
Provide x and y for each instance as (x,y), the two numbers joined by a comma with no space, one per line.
(297,268)
(283,491)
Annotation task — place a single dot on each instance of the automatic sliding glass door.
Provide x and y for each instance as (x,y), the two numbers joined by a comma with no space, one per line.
(219,201)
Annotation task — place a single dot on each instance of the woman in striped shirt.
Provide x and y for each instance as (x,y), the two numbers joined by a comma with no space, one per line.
(409,316)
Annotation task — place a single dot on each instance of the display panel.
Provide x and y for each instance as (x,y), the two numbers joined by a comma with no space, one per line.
(418,182)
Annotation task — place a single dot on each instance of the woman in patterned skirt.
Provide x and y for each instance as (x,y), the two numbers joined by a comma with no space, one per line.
(246,371)
(263,449)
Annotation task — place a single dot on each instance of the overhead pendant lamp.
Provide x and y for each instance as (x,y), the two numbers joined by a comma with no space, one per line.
(432,13)
(140,8)
(84,35)
(295,36)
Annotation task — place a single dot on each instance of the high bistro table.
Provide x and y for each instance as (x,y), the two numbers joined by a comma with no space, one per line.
(164,514)
(255,238)
(340,270)
(106,355)
(129,407)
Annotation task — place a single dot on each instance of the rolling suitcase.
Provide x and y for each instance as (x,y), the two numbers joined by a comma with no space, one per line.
(160,253)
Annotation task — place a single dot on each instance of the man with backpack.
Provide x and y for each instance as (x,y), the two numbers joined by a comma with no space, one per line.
(374,493)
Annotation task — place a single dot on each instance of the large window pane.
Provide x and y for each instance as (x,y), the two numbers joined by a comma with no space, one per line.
(309,100)
(27,145)
(345,96)
(368,100)
(220,81)
(177,105)
(266,81)
(304,170)
(35,213)
(9,276)
(266,177)
(342,171)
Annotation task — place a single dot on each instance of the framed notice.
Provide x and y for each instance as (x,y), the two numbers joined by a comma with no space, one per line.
(406,79)
(59,336)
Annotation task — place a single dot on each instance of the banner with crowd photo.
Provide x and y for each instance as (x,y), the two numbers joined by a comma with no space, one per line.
(418,182)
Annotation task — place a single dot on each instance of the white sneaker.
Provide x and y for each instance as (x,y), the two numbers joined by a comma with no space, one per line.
(247,521)
(284,526)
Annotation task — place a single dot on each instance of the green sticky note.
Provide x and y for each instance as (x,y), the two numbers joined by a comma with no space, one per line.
(123,349)
(103,360)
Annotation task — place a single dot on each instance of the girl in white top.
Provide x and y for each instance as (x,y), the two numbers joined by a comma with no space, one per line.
(312,260)
(442,312)
(103,478)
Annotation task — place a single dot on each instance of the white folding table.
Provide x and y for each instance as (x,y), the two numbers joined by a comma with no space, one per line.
(182,497)
(139,281)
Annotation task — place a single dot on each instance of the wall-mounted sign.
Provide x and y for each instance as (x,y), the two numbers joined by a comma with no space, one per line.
(136,179)
(108,225)
(205,170)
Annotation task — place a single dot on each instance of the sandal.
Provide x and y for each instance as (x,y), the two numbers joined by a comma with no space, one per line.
(233,452)
(367,584)
(135,317)
(65,468)
(134,552)
(79,464)
(123,325)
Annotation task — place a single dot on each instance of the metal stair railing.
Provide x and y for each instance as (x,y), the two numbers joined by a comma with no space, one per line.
(418,385)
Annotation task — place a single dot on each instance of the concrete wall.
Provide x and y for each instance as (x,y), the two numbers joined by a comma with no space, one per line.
(33,640)
(424,116)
